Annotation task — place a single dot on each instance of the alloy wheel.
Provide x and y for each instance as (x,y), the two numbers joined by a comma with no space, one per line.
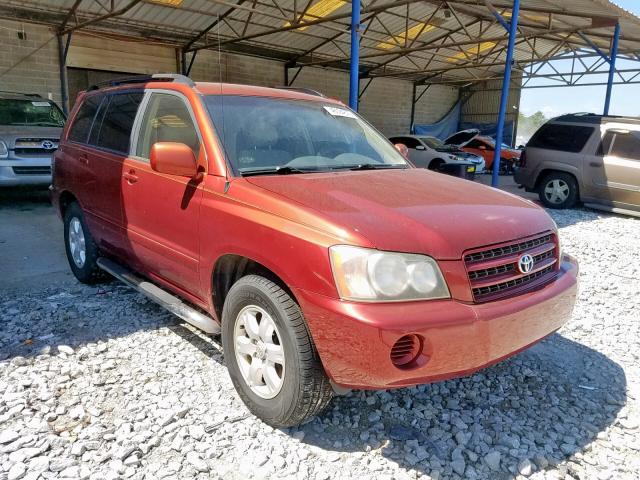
(556,191)
(77,244)
(259,352)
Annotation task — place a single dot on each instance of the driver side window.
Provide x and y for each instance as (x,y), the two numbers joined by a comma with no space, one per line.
(166,119)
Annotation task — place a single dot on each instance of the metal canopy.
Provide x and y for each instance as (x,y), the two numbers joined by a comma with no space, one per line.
(428,41)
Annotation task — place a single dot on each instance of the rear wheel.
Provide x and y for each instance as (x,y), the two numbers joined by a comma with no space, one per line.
(82,252)
(558,190)
(270,354)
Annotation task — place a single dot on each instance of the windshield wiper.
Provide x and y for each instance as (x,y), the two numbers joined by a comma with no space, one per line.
(275,171)
(374,166)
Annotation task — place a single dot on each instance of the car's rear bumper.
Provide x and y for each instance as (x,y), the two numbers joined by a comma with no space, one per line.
(524,177)
(354,340)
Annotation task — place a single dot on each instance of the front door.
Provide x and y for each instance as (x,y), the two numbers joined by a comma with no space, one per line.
(161,211)
(617,172)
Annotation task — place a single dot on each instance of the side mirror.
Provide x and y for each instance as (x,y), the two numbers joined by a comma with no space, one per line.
(173,159)
(402,148)
(420,147)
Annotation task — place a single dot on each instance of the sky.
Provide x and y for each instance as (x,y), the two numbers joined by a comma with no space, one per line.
(625,99)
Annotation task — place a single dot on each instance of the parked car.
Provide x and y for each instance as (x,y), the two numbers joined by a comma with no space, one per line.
(471,141)
(287,223)
(585,157)
(30,128)
(432,153)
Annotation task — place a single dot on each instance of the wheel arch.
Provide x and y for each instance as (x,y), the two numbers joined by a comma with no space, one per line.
(66,199)
(229,268)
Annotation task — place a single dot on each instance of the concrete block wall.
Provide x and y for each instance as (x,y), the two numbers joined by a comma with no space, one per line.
(29,65)
(484,104)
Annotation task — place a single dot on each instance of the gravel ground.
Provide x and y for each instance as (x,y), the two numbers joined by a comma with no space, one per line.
(100,383)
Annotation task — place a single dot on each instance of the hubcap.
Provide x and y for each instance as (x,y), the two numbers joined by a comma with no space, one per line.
(259,351)
(556,191)
(77,242)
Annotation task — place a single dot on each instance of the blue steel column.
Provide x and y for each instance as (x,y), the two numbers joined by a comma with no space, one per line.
(354,77)
(612,68)
(513,29)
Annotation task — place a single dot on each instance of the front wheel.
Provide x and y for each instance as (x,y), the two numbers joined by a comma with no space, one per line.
(558,190)
(270,354)
(436,164)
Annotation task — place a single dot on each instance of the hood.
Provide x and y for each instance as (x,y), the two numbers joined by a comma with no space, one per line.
(462,137)
(412,210)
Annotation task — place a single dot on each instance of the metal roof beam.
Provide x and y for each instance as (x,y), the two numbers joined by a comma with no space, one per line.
(308,23)
(100,18)
(218,19)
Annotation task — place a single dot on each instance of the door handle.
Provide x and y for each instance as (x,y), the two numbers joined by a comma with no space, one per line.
(130,176)
(84,158)
(595,164)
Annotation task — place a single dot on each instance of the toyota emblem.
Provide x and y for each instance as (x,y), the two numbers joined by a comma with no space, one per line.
(47,145)
(525,264)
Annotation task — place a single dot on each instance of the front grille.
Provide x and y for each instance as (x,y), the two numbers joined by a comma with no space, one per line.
(26,147)
(493,273)
(507,250)
(32,170)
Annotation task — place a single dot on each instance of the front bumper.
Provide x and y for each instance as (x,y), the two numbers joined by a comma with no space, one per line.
(354,340)
(25,171)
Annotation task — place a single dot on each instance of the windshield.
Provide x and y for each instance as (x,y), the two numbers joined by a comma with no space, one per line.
(263,134)
(41,113)
(432,142)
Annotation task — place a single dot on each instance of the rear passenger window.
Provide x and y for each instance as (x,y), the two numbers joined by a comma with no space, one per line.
(566,138)
(622,145)
(79,130)
(166,119)
(114,129)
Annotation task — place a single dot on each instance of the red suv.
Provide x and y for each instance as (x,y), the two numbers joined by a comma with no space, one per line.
(285,222)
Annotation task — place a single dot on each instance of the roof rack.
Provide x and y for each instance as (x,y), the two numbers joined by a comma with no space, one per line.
(308,91)
(156,77)
(35,95)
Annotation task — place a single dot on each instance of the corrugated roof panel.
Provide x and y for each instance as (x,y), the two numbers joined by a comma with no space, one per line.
(385,35)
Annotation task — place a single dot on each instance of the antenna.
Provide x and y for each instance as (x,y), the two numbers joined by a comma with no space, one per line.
(226,171)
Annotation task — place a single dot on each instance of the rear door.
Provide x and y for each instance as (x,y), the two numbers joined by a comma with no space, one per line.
(109,142)
(617,174)
(161,211)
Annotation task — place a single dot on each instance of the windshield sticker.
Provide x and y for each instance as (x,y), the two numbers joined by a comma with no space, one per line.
(339,112)
(41,104)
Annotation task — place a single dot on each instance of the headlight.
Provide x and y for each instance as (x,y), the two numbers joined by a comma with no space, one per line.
(4,151)
(371,275)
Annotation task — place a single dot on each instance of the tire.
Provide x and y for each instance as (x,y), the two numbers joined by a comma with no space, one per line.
(304,389)
(558,190)
(436,164)
(78,239)
(506,167)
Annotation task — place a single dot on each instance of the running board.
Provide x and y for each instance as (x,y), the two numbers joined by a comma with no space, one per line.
(163,298)
(608,208)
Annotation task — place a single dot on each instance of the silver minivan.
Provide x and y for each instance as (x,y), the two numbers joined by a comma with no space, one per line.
(589,158)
